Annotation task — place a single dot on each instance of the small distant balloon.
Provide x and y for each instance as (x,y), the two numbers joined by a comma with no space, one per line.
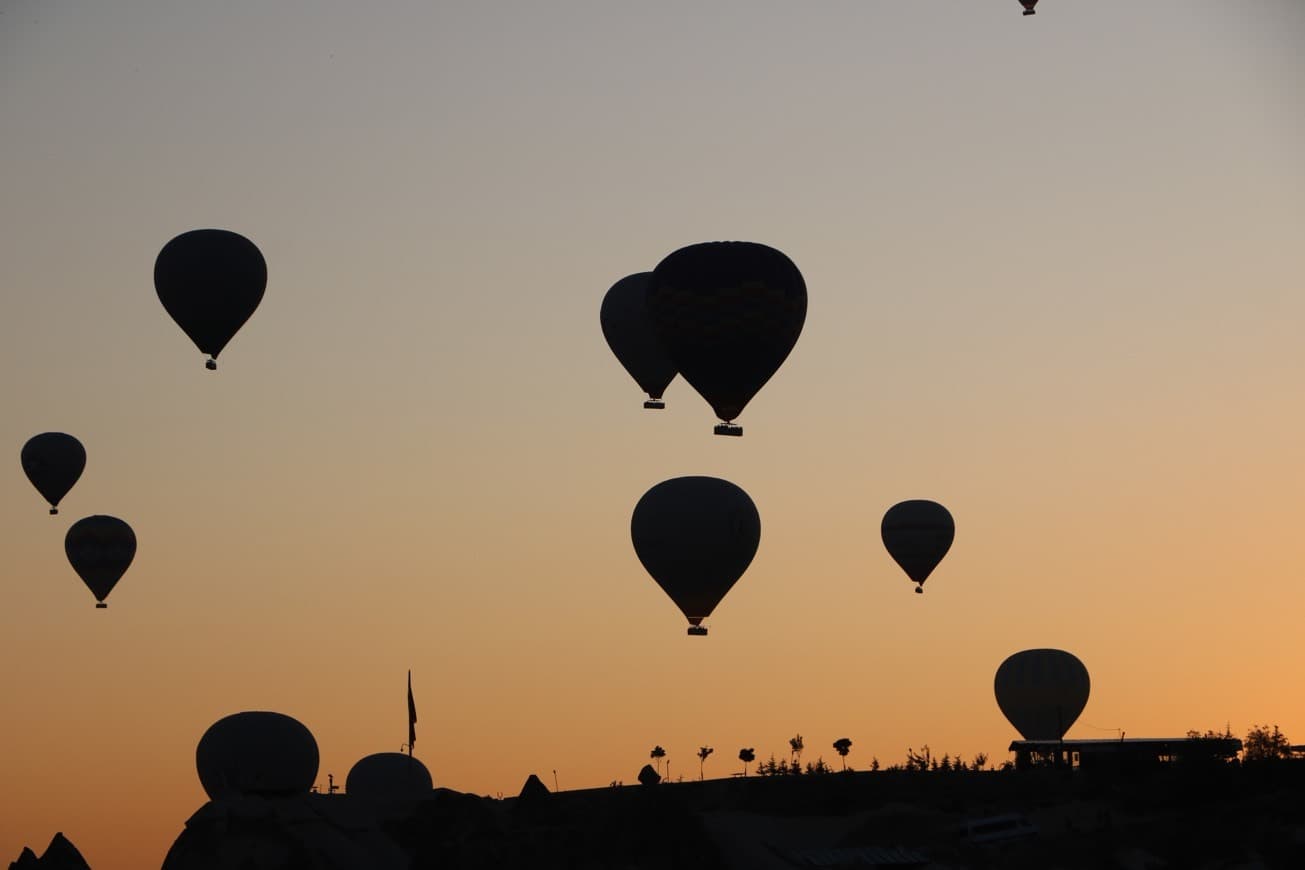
(210,281)
(1042,692)
(53,462)
(727,314)
(100,549)
(917,534)
(634,342)
(695,536)
(1028,6)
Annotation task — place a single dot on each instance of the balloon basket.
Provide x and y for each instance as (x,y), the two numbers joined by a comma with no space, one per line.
(54,512)
(697,631)
(100,605)
(919,590)
(654,404)
(729,429)
(211,365)
(1029,12)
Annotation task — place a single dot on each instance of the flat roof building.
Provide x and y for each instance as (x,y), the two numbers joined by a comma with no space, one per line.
(1132,752)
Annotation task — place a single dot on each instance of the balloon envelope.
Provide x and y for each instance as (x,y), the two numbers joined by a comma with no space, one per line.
(727,314)
(256,753)
(630,335)
(100,549)
(53,462)
(210,281)
(1041,692)
(917,534)
(389,776)
(695,536)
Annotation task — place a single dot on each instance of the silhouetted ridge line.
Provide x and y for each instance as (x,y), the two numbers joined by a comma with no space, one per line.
(61,854)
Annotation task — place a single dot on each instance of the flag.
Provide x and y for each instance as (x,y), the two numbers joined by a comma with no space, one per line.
(412,716)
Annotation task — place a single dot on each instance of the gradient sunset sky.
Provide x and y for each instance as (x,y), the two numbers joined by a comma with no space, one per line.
(1054,267)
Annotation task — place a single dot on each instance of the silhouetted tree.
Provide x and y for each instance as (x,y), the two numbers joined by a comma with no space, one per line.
(946,763)
(747,756)
(818,767)
(842,746)
(703,752)
(657,755)
(771,767)
(1261,744)
(922,760)
(1211,748)
(874,762)
(795,747)
(979,761)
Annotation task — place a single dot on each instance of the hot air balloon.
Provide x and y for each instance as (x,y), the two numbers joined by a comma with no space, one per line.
(1028,6)
(917,534)
(256,753)
(53,462)
(258,769)
(727,313)
(1041,692)
(695,536)
(100,549)
(630,335)
(210,282)
(389,776)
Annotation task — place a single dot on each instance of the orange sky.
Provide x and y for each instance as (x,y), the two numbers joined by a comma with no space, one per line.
(1054,278)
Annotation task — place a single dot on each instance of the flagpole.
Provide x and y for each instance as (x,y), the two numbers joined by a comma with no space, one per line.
(412,716)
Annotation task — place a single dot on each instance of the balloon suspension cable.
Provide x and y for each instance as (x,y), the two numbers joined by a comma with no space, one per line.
(211,364)
(54,511)
(728,429)
(100,605)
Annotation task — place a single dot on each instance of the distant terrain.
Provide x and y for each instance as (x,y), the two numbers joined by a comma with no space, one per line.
(1214,815)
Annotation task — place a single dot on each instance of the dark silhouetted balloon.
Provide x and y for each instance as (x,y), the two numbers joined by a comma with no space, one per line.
(1028,6)
(1041,692)
(389,776)
(695,536)
(256,753)
(917,534)
(727,314)
(53,462)
(630,335)
(210,282)
(100,550)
